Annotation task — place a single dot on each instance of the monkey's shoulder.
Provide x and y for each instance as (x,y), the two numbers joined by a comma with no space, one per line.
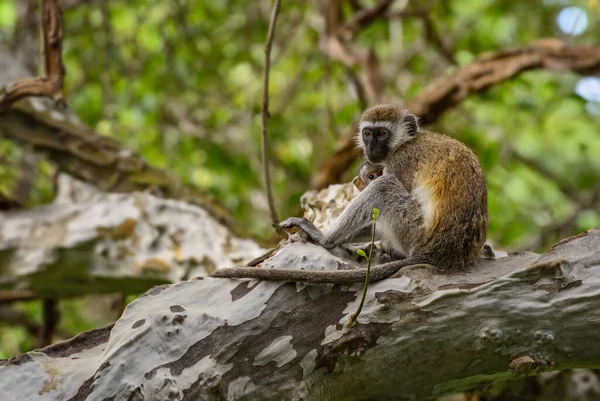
(441,154)
(434,140)
(430,150)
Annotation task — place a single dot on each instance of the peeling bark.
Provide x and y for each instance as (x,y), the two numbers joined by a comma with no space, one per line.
(420,335)
(112,242)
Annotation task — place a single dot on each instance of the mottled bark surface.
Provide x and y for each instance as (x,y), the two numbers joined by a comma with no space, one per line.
(88,242)
(421,334)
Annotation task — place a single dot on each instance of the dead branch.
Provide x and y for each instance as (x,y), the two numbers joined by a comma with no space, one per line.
(51,84)
(487,70)
(8,296)
(50,318)
(265,117)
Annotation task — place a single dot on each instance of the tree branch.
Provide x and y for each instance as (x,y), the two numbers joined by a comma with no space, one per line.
(419,336)
(106,243)
(567,189)
(487,70)
(51,84)
(93,158)
(556,228)
(365,16)
(334,44)
(265,117)
(50,319)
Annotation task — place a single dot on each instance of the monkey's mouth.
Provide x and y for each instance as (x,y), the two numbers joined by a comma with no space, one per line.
(376,157)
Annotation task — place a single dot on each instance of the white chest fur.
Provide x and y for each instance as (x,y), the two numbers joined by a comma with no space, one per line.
(422,195)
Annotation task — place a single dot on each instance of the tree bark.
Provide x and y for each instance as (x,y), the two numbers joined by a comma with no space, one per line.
(111,242)
(420,335)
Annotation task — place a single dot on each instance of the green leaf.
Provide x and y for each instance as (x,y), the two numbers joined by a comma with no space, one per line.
(361,253)
(8,14)
(375,213)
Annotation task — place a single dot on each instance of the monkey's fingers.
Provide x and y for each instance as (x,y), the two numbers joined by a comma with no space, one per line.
(292,222)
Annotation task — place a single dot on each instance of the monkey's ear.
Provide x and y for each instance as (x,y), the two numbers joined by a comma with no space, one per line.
(411,126)
(358,182)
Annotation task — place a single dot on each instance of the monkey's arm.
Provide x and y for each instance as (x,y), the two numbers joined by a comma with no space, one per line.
(378,273)
(386,193)
(318,237)
(397,209)
(314,234)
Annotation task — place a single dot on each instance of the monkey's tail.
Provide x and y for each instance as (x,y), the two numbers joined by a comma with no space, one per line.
(378,272)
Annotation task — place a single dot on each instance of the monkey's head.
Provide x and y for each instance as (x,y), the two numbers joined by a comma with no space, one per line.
(383,129)
(367,172)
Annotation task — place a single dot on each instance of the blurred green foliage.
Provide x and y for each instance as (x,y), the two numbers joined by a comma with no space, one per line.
(180,82)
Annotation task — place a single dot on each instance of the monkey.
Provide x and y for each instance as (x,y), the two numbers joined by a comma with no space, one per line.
(432,200)
(367,172)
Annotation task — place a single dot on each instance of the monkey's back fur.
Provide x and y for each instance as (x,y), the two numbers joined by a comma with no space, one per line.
(446,180)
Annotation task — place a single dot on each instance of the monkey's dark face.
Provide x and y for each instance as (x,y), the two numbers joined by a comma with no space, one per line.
(377,143)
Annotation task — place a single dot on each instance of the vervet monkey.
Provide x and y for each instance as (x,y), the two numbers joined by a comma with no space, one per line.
(432,200)
(367,172)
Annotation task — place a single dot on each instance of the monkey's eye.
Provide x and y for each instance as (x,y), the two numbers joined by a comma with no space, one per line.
(367,133)
(379,173)
(382,134)
(371,176)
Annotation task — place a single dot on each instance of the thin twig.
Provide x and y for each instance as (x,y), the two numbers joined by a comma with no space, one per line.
(50,317)
(51,84)
(433,36)
(8,296)
(265,117)
(364,17)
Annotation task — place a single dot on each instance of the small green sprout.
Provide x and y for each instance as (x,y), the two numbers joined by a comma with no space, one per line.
(362,253)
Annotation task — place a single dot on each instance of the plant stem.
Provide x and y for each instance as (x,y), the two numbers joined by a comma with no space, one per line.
(364,295)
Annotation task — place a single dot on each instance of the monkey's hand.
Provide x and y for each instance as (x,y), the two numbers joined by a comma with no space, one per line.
(314,234)
(293,222)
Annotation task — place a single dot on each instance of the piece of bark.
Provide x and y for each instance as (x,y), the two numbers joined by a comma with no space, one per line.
(420,335)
